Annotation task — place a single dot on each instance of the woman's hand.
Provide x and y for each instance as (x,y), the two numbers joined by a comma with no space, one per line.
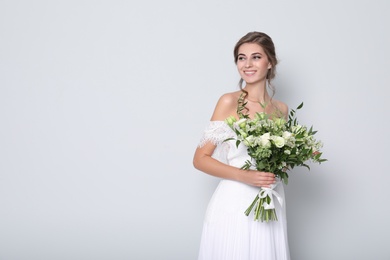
(257,178)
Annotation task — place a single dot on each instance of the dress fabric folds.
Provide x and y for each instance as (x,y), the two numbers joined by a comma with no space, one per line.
(228,234)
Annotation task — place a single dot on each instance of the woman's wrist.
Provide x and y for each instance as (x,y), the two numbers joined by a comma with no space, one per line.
(239,175)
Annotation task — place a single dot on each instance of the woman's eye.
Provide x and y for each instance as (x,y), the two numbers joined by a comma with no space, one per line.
(256,57)
(241,58)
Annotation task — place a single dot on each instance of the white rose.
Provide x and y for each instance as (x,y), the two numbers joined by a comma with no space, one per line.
(264,140)
(278,141)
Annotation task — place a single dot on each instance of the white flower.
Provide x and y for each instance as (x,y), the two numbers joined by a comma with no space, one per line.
(287,135)
(278,141)
(249,141)
(265,140)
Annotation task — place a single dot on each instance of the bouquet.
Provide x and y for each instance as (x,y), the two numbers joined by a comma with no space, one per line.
(274,145)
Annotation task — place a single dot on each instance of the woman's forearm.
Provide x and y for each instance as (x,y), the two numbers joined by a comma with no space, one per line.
(205,163)
(209,165)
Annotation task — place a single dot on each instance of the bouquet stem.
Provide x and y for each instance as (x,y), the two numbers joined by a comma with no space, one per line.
(249,209)
(260,213)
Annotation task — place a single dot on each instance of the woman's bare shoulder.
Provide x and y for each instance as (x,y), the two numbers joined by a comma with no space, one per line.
(281,107)
(226,106)
(229,98)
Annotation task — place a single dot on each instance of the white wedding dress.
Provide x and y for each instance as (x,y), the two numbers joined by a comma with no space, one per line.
(228,234)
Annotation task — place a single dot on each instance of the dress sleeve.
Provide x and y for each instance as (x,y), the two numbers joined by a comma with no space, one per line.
(216,132)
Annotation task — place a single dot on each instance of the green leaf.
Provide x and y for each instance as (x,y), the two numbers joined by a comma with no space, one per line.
(229,139)
(317,156)
(260,166)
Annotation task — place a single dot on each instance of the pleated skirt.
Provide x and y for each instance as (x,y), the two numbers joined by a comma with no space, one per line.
(228,234)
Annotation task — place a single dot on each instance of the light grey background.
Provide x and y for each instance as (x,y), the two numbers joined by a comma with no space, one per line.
(102,104)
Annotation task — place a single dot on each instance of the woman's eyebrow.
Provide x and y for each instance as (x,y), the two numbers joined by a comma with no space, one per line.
(255,53)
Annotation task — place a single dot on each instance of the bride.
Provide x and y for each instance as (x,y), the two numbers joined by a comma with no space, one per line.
(228,234)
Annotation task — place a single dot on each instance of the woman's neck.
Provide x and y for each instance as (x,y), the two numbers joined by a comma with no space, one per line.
(257,93)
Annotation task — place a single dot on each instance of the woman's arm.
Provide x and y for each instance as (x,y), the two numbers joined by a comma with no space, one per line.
(205,163)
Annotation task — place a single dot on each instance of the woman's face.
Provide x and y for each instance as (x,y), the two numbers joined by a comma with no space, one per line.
(252,63)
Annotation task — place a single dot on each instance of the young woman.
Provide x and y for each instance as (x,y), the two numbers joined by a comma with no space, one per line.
(228,234)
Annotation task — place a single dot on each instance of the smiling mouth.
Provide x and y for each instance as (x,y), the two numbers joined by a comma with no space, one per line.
(249,72)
